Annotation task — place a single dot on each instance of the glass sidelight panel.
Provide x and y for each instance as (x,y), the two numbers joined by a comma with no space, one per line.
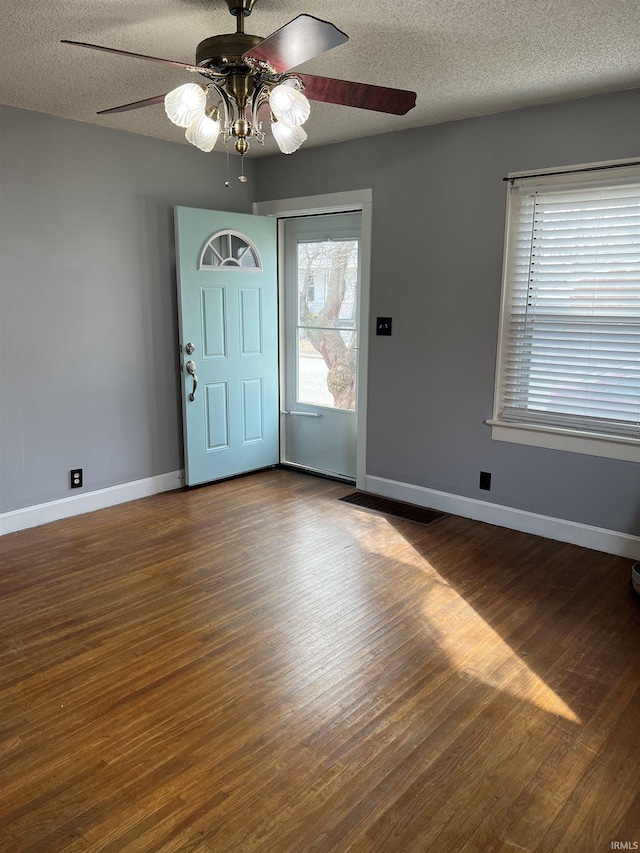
(327,304)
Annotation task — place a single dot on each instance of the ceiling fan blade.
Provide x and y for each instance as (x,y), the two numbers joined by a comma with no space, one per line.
(147,102)
(379,98)
(183,65)
(301,39)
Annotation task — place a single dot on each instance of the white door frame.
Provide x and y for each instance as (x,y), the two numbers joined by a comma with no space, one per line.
(351,200)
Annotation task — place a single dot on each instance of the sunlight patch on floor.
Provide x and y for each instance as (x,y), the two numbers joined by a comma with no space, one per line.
(472,646)
(479,653)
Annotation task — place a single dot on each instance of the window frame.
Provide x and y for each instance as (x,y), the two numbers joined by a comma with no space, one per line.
(536,434)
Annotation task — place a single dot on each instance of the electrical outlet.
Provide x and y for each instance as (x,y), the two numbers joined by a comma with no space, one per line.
(76,478)
(485,480)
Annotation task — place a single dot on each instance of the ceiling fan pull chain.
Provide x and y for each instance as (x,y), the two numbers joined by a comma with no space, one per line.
(227,183)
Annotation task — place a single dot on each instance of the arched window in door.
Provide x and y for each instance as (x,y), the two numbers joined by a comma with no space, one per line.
(229,249)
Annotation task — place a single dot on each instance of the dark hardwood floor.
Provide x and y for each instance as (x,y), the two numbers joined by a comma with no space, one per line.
(257,666)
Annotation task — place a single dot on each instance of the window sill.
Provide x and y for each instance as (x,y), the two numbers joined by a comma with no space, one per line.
(592,444)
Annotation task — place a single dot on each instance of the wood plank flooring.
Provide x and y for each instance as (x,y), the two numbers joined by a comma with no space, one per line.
(258,667)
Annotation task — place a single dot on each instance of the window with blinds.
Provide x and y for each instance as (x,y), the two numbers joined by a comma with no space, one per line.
(569,354)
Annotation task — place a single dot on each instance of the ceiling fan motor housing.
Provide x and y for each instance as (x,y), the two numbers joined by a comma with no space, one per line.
(225,51)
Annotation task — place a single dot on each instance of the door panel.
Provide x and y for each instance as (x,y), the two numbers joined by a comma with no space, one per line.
(216,396)
(321,284)
(250,321)
(213,322)
(326,444)
(227,300)
(252,408)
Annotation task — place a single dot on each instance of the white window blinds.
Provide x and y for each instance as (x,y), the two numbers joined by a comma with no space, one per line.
(570,348)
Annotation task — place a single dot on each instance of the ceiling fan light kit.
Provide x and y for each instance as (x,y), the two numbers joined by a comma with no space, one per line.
(187,107)
(288,137)
(186,104)
(246,74)
(204,132)
(289,105)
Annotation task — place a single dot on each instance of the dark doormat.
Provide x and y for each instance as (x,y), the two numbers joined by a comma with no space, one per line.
(398,509)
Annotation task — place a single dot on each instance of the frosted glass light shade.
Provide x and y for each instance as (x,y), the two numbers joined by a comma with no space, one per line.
(203,133)
(185,104)
(289,105)
(289,138)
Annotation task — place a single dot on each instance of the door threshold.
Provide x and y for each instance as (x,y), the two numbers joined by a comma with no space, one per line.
(316,472)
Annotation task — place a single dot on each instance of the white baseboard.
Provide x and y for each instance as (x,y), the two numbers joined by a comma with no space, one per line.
(32,516)
(597,538)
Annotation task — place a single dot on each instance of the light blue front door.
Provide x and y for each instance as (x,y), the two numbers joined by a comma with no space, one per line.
(228,319)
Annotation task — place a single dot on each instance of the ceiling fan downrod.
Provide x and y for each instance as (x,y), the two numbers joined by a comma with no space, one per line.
(241,9)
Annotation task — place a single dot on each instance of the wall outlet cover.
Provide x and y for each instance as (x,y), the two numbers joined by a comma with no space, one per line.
(485,480)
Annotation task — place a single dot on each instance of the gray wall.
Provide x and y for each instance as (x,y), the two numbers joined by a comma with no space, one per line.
(88,343)
(438,220)
(88,358)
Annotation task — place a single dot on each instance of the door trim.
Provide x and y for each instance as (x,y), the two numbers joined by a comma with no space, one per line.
(342,202)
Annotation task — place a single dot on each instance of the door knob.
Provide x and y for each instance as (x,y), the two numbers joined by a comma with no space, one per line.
(191,370)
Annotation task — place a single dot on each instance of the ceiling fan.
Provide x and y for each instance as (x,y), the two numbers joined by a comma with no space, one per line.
(245,73)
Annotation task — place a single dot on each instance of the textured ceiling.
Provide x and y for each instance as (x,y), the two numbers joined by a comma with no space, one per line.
(462,58)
